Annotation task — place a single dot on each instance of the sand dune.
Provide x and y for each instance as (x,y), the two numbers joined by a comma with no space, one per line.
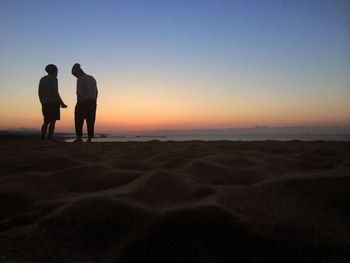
(174,201)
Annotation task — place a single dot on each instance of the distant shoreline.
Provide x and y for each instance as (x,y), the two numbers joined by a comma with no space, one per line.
(235,134)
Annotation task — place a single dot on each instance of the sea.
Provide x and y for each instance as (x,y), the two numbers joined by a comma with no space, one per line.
(241,134)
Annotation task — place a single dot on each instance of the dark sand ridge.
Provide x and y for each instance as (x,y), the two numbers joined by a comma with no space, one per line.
(174,201)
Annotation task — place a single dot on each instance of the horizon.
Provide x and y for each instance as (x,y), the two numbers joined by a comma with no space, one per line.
(180,65)
(329,129)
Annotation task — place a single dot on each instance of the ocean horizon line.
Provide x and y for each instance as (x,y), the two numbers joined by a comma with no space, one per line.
(256,133)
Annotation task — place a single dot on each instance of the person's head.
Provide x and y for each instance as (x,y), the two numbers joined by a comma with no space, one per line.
(76,70)
(51,69)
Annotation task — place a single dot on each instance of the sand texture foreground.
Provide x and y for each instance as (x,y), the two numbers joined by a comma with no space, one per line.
(174,201)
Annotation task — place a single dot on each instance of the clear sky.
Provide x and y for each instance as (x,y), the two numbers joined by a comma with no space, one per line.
(180,64)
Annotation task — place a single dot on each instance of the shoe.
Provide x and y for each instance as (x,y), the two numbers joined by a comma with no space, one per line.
(78,140)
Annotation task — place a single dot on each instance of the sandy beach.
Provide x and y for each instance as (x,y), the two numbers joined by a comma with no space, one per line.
(170,201)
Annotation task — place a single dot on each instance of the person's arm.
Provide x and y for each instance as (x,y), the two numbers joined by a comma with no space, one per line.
(96,89)
(58,95)
(40,93)
(79,89)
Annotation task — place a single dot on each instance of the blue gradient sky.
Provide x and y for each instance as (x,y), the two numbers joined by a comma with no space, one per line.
(181,64)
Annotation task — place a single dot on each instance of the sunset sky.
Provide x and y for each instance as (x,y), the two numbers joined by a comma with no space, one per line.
(175,64)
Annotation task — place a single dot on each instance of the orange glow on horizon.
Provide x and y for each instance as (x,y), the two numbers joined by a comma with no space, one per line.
(137,110)
(137,120)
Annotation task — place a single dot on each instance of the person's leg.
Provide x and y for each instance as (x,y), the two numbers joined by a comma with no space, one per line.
(79,122)
(51,129)
(44,129)
(90,119)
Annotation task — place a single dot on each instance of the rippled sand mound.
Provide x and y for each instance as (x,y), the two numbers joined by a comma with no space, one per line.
(174,201)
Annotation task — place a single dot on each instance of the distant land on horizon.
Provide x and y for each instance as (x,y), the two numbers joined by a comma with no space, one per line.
(256,128)
(257,133)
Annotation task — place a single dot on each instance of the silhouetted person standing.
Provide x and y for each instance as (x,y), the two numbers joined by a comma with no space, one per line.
(86,103)
(50,100)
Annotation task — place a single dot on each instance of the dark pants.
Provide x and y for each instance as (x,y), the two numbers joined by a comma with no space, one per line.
(51,111)
(85,110)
